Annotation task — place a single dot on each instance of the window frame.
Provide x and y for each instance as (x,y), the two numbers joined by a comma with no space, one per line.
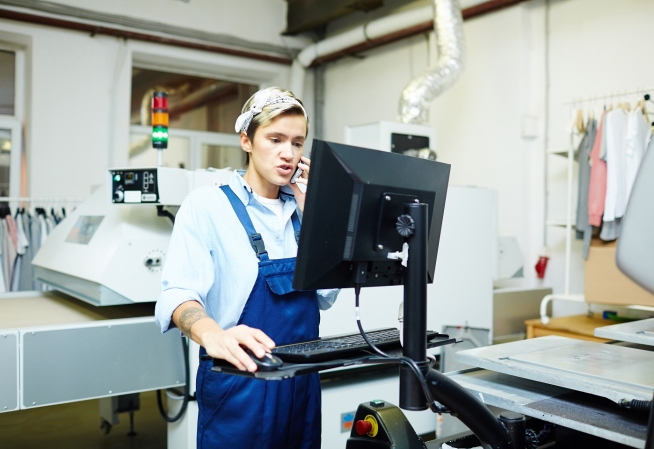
(15,122)
(196,140)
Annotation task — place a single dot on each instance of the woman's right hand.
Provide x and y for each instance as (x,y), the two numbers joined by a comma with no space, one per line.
(228,344)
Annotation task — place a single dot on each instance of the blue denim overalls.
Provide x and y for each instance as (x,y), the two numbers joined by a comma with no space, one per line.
(240,412)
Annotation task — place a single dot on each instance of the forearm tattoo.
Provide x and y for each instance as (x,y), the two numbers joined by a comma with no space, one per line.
(189,317)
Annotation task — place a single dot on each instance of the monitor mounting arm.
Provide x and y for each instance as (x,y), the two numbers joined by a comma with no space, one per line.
(467,408)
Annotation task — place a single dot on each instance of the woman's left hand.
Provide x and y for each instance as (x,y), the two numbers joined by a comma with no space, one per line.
(304,164)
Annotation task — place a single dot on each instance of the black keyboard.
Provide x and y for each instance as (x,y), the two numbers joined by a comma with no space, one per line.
(342,346)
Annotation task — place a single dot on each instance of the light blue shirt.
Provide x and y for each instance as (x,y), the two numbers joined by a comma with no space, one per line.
(210,259)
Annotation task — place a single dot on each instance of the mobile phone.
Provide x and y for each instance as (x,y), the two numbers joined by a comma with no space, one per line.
(296,175)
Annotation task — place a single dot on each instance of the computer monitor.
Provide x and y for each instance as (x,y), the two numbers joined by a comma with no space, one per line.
(354,198)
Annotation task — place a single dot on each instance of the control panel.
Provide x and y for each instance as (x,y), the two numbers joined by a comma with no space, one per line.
(137,185)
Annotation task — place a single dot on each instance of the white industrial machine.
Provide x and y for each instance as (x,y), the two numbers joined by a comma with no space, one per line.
(402,138)
(108,252)
(111,249)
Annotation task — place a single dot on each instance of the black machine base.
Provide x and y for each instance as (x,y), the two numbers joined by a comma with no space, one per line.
(386,426)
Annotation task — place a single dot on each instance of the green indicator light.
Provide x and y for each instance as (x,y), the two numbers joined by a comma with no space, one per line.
(160,137)
(117,178)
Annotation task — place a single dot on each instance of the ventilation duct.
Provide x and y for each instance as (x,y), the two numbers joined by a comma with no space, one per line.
(414,105)
(421,91)
(372,30)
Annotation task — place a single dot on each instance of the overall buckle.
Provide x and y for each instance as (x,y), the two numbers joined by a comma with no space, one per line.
(257,244)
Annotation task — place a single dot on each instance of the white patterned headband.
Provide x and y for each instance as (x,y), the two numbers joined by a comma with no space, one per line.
(262,99)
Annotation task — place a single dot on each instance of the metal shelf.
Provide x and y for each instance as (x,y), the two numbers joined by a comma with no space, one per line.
(562,153)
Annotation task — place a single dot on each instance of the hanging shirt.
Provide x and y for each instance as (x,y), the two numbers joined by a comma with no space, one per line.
(583,152)
(21,238)
(8,253)
(21,250)
(210,258)
(616,137)
(597,182)
(583,228)
(26,268)
(637,137)
(44,229)
(51,223)
(35,240)
(11,227)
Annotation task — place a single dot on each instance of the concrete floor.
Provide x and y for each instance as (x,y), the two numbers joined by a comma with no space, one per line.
(77,425)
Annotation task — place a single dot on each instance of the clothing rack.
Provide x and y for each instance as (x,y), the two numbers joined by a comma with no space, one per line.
(10,199)
(615,94)
(567,295)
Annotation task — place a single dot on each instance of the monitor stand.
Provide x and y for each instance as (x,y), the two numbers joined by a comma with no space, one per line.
(470,410)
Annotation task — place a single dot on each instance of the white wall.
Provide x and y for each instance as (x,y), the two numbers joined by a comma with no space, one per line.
(477,121)
(256,20)
(78,96)
(595,46)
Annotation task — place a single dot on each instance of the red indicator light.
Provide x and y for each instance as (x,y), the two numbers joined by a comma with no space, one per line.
(160,102)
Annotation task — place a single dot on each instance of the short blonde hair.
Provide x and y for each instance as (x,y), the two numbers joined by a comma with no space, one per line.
(272,111)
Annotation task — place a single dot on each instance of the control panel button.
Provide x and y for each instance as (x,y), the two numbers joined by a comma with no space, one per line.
(377,403)
(118,196)
(363,427)
(367,426)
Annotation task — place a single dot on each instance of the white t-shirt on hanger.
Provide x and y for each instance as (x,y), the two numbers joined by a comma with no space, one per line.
(637,137)
(616,142)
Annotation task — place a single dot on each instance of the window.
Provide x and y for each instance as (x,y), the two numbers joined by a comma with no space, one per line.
(5,160)
(11,88)
(202,115)
(7,83)
(222,156)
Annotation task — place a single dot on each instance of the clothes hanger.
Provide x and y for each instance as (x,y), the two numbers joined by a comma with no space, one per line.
(579,121)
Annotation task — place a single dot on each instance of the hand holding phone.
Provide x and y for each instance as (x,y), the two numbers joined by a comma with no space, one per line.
(296,175)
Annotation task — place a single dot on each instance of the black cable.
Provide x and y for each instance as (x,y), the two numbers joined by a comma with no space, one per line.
(433,405)
(636,405)
(164,213)
(187,388)
(357,291)
(185,347)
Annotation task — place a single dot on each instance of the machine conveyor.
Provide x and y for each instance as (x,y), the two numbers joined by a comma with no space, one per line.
(640,332)
(586,413)
(611,371)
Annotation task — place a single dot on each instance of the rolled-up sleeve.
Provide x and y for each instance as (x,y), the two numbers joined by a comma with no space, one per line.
(188,272)
(326,298)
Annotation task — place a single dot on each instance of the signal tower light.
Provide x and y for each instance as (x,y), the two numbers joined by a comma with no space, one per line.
(160,120)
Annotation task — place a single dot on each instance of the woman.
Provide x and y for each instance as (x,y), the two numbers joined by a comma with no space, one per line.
(230,248)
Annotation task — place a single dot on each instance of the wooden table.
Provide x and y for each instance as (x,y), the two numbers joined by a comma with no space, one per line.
(577,326)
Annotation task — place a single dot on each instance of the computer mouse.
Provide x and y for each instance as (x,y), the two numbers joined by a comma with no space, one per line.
(268,362)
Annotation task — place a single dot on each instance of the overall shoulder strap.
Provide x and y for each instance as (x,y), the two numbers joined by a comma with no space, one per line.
(296,226)
(255,238)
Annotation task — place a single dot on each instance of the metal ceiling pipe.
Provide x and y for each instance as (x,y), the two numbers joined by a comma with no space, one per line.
(377,33)
(371,30)
(421,91)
